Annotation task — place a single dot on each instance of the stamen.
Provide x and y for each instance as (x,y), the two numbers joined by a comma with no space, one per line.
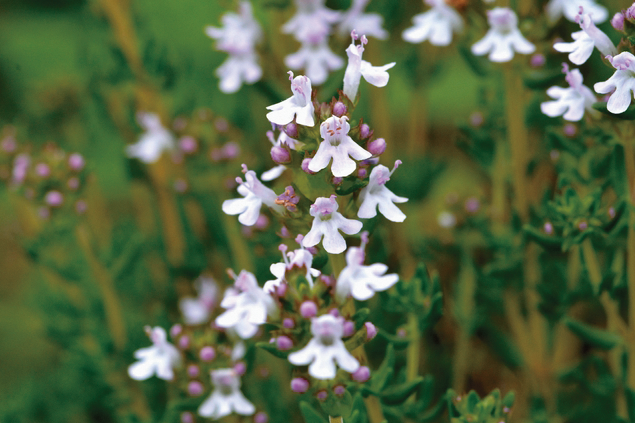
(290,75)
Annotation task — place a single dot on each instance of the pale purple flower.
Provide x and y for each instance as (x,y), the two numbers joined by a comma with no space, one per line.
(437,25)
(325,349)
(584,41)
(312,22)
(327,222)
(376,195)
(359,281)
(572,102)
(160,359)
(255,195)
(248,306)
(299,105)
(622,83)
(368,24)
(226,398)
(503,38)
(569,9)
(198,310)
(339,146)
(374,75)
(316,59)
(153,142)
(238,37)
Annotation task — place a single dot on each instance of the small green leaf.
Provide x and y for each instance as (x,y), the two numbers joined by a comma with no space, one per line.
(629,114)
(597,337)
(310,414)
(399,394)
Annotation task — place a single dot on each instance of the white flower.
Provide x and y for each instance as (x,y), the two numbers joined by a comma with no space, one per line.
(154,140)
(247,306)
(325,349)
(313,21)
(238,37)
(226,396)
(570,103)
(316,59)
(437,25)
(328,222)
(197,310)
(369,24)
(301,258)
(299,105)
(503,38)
(445,219)
(584,41)
(255,195)
(622,81)
(569,8)
(377,195)
(338,146)
(160,359)
(374,75)
(362,281)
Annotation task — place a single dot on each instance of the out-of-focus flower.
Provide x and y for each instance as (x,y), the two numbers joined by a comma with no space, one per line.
(238,37)
(325,349)
(570,103)
(436,25)
(298,106)
(247,306)
(316,59)
(328,222)
(503,38)
(160,359)
(376,195)
(374,75)
(569,9)
(339,146)
(368,24)
(584,41)
(255,195)
(226,396)
(312,22)
(622,83)
(361,281)
(197,310)
(153,142)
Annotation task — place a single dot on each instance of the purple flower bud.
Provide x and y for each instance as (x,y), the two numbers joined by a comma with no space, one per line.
(81,206)
(305,166)
(221,124)
(339,390)
(9,145)
(611,212)
(195,388)
(537,60)
(349,328)
(371,331)
(44,213)
(376,147)
(76,162)
(337,180)
(42,170)
(334,312)
(207,353)
(472,204)
(240,368)
(401,333)
(339,109)
(328,280)
(364,131)
(362,374)
(618,21)
(476,119)
(280,155)
(281,290)
(187,417)
(54,198)
(73,183)
(322,395)
(176,330)
(299,385)
(548,228)
(583,226)
(288,323)
(284,343)
(284,232)
(630,13)
(308,309)
(262,222)
(261,417)
(291,130)
(184,342)
(188,144)
(362,173)
(570,130)
(231,150)
(193,370)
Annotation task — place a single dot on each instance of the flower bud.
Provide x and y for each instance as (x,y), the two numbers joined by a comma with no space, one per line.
(261,417)
(76,162)
(240,368)
(371,331)
(284,343)
(537,60)
(339,390)
(176,330)
(288,323)
(339,109)
(364,131)
(630,13)
(291,130)
(305,166)
(322,395)
(281,290)
(81,206)
(42,170)
(376,147)
(193,370)
(231,150)
(618,21)
(349,328)
(362,374)
(362,173)
(54,198)
(308,309)
(195,388)
(207,353)
(187,417)
(184,342)
(299,385)
(337,180)
(188,145)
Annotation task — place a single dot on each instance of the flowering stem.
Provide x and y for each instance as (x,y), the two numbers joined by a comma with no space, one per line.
(517,135)
(112,307)
(629,158)
(465,303)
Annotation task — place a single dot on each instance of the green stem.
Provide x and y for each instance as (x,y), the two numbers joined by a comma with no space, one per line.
(465,306)
(338,263)
(412,364)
